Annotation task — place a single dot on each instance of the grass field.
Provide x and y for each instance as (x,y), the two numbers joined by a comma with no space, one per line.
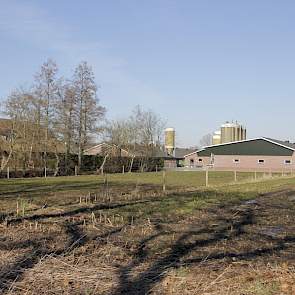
(173,179)
(124,235)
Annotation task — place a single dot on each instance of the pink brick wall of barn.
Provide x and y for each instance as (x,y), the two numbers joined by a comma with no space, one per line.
(246,163)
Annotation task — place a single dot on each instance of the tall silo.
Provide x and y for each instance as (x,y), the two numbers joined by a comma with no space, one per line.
(238,132)
(170,141)
(244,133)
(216,138)
(228,132)
(231,132)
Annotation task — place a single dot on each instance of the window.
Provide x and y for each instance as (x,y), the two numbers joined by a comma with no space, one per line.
(288,162)
(260,161)
(200,160)
(236,160)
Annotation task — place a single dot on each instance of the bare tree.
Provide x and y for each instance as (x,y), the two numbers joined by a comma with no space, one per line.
(140,134)
(206,140)
(65,123)
(119,132)
(149,126)
(88,112)
(46,85)
(7,146)
(19,106)
(53,116)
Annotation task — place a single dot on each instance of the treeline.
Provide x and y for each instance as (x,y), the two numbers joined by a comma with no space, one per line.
(59,117)
(89,165)
(140,133)
(54,115)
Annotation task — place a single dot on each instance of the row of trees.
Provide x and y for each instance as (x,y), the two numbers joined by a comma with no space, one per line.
(140,133)
(63,116)
(56,115)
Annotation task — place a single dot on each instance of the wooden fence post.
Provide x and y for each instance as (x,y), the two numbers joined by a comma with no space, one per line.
(164,180)
(235,175)
(137,183)
(123,169)
(76,170)
(8,172)
(45,172)
(105,185)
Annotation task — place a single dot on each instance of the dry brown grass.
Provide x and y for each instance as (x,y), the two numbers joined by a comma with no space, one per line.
(141,241)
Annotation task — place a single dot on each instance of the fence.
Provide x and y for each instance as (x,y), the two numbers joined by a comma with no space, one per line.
(170,181)
(194,179)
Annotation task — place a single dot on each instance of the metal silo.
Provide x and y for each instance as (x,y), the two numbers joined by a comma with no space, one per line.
(244,133)
(238,132)
(170,141)
(228,131)
(216,138)
(231,132)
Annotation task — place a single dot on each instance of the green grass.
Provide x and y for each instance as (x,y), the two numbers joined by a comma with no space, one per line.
(262,288)
(173,180)
(59,191)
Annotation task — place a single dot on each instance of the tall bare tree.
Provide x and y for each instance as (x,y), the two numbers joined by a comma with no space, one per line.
(88,112)
(140,133)
(64,122)
(20,107)
(54,113)
(149,128)
(46,85)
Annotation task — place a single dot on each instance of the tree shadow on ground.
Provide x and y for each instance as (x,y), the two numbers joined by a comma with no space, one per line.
(178,197)
(190,241)
(88,209)
(230,222)
(38,250)
(34,189)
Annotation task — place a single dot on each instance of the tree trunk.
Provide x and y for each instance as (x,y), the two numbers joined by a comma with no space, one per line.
(103,163)
(5,161)
(56,164)
(131,164)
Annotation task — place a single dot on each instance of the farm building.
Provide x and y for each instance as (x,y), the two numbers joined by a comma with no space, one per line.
(170,161)
(261,154)
(105,148)
(175,160)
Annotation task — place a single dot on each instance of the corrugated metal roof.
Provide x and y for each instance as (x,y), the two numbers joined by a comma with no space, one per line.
(285,143)
(258,146)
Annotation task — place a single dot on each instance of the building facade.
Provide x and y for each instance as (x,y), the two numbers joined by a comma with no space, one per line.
(259,154)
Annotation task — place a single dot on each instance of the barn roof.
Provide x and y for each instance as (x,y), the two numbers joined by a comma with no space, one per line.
(257,146)
(179,153)
(105,148)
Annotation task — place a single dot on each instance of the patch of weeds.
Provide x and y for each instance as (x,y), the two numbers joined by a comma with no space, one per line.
(262,288)
(182,272)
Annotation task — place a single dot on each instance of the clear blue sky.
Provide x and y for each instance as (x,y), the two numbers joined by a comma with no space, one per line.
(196,63)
